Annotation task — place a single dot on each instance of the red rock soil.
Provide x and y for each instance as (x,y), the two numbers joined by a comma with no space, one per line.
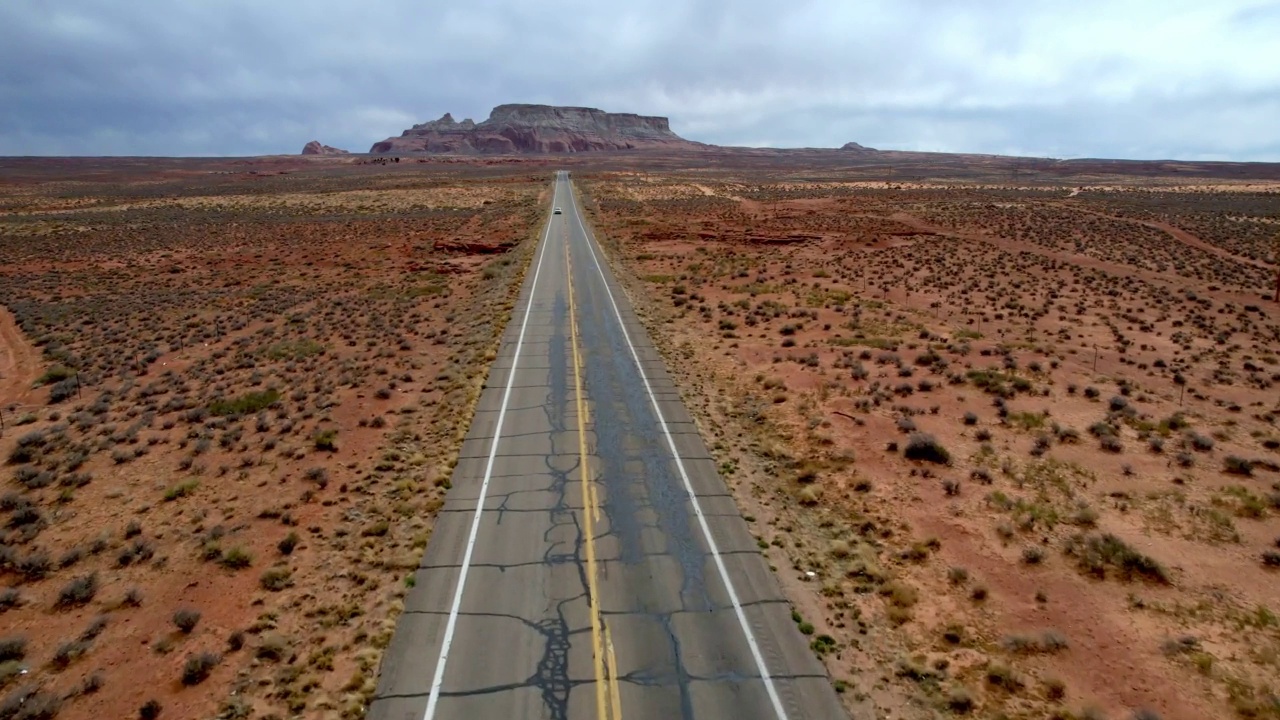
(220,326)
(851,318)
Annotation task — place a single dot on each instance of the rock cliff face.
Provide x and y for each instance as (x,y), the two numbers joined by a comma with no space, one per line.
(315,148)
(514,129)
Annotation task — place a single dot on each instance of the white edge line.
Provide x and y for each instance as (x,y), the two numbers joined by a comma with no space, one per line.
(688,486)
(449,627)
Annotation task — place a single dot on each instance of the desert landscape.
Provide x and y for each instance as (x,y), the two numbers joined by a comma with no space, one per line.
(1006,430)
(232,392)
(1010,445)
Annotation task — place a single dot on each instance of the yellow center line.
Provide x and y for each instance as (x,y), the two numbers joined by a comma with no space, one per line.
(608,706)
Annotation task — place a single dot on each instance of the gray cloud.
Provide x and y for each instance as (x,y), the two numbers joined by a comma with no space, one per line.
(1147,79)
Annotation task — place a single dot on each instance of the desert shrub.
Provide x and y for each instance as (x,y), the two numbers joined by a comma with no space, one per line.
(150,710)
(288,543)
(68,653)
(245,404)
(1102,429)
(1002,676)
(25,514)
(132,598)
(198,667)
(34,565)
(92,683)
(78,592)
(1041,445)
(181,490)
(1271,558)
(10,598)
(28,447)
(275,579)
(94,628)
(62,390)
(28,704)
(378,529)
(959,701)
(236,558)
(994,382)
(1032,555)
(1201,443)
(138,551)
(319,476)
(186,619)
(326,440)
(1047,642)
(1095,553)
(1111,443)
(273,647)
(55,373)
(809,495)
(922,446)
(970,418)
(32,478)
(12,648)
(1236,465)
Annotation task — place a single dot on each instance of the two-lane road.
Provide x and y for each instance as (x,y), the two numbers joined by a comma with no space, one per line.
(589,563)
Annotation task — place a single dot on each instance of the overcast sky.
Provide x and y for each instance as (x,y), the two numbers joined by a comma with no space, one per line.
(1084,78)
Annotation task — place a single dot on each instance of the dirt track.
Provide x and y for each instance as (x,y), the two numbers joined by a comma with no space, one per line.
(19,362)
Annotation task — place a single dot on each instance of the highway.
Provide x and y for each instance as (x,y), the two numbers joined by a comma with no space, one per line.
(589,562)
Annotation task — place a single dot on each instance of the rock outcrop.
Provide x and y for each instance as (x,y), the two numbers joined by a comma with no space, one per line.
(513,129)
(855,147)
(315,148)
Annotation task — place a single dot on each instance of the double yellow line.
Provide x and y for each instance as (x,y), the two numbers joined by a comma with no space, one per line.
(608,704)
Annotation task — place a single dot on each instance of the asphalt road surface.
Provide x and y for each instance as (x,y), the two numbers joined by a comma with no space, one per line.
(589,563)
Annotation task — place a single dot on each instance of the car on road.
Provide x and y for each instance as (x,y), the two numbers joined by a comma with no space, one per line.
(556,211)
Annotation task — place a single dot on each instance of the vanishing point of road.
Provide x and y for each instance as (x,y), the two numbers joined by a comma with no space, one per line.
(589,562)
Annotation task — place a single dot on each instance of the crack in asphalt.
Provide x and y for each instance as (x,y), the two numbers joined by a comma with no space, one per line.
(540,563)
(552,675)
(664,614)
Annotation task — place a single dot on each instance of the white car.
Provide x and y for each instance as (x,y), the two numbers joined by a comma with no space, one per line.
(556,211)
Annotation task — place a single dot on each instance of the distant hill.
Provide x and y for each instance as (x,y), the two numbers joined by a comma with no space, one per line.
(515,129)
(315,148)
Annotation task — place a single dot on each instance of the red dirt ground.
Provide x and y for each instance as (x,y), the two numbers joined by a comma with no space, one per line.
(366,300)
